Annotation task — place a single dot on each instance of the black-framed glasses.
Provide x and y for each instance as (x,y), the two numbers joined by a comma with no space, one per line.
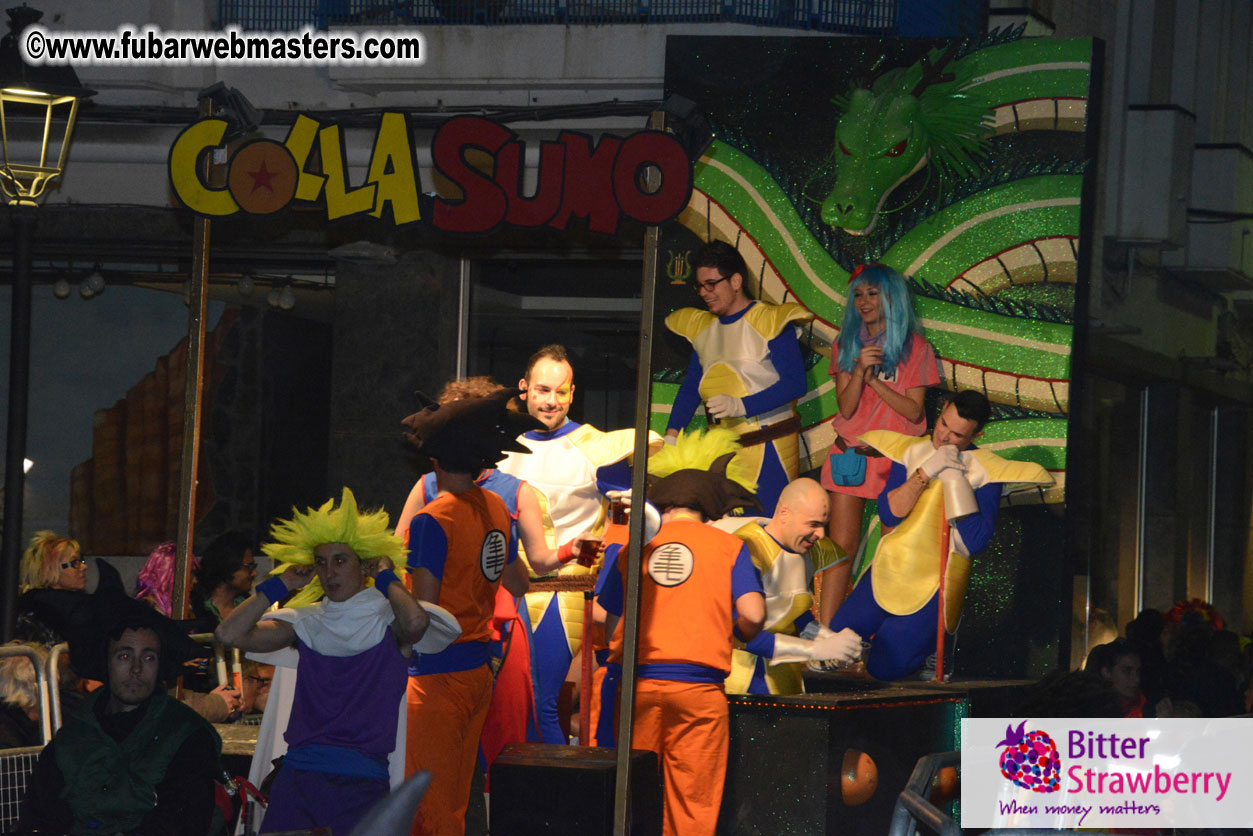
(76,563)
(709,285)
(248,567)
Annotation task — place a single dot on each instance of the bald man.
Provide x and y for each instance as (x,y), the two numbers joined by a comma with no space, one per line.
(780,547)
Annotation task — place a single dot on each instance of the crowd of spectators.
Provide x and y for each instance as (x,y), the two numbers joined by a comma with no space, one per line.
(1184,663)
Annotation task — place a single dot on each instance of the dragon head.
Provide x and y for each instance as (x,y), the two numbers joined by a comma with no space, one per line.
(892,127)
(878,143)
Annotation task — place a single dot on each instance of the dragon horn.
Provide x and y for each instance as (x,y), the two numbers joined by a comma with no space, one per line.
(932,73)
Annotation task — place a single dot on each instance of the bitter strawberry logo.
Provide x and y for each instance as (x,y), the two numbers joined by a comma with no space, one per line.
(1030,760)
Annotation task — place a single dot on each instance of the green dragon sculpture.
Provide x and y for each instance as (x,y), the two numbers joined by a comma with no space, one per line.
(993,254)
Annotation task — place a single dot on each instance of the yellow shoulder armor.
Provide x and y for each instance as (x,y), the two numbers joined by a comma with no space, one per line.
(770,320)
(688,322)
(602,448)
(893,445)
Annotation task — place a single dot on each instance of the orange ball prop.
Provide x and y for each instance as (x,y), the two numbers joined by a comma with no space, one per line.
(945,786)
(859,777)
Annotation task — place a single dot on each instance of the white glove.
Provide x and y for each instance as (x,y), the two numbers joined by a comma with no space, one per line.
(669,439)
(724,406)
(816,630)
(947,456)
(843,647)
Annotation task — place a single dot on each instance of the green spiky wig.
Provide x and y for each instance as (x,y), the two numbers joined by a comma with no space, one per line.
(366,533)
(700,470)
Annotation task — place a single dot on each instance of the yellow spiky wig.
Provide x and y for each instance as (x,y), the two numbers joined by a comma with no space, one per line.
(700,470)
(698,450)
(365,532)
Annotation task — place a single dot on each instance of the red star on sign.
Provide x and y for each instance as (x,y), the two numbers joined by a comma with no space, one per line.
(262,178)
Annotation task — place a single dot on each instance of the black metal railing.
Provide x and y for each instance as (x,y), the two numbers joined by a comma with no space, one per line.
(926,18)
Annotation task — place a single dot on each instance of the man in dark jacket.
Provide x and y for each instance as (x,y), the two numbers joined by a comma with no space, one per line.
(131,759)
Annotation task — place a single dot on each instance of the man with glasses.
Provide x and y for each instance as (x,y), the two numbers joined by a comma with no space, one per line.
(746,367)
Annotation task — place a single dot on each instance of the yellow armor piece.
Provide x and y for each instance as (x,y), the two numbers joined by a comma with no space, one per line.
(786,679)
(721,379)
(571,606)
(766,319)
(906,569)
(569,610)
(827,553)
(608,447)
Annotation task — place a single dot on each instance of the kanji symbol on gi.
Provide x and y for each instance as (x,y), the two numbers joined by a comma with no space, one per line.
(492,555)
(670,564)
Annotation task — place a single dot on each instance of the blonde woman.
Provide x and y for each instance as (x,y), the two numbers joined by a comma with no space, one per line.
(51,562)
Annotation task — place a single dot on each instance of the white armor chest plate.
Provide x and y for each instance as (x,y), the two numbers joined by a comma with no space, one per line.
(786,575)
(741,347)
(567,479)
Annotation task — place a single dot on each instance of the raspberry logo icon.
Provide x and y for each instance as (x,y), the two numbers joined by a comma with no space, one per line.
(1030,760)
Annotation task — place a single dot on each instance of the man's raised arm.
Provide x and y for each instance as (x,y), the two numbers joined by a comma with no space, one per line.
(244,629)
(410,620)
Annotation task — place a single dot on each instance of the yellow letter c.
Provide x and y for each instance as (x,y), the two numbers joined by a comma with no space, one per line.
(191,190)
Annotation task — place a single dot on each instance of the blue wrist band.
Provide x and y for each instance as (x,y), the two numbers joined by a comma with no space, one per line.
(274,589)
(385,579)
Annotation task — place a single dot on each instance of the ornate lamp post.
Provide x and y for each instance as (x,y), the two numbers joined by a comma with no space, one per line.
(38,105)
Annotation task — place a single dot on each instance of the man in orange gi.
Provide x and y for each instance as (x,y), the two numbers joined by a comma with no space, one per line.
(460,553)
(699,587)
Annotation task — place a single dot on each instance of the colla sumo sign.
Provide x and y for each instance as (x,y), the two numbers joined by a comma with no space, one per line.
(600,182)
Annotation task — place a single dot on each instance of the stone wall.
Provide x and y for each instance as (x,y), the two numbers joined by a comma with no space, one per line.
(395,332)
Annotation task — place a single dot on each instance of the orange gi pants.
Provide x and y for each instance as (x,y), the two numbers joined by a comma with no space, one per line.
(686,724)
(446,714)
(598,679)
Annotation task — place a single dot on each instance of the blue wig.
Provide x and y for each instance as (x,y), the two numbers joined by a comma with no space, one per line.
(898,312)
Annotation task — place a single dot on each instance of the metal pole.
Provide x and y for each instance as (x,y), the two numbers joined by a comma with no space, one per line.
(635,525)
(23,217)
(463,318)
(193,391)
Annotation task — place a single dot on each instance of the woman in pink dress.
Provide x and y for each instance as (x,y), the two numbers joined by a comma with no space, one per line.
(882,367)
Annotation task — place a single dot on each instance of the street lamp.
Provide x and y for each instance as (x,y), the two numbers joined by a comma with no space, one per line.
(38,105)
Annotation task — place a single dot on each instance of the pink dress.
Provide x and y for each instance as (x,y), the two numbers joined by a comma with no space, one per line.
(918,369)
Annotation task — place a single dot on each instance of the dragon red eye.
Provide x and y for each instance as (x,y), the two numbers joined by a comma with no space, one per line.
(844,150)
(897,149)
